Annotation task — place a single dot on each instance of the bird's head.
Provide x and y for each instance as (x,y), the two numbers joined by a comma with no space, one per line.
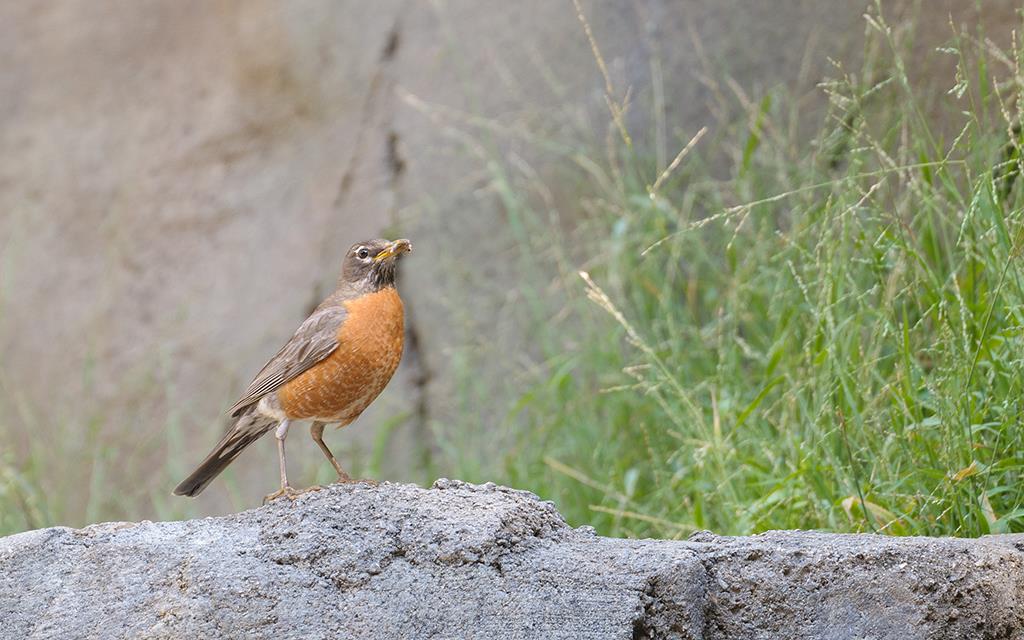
(370,266)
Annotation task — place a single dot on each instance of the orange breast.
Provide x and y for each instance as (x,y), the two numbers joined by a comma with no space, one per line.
(340,387)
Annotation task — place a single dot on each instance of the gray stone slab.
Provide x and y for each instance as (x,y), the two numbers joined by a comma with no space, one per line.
(483,561)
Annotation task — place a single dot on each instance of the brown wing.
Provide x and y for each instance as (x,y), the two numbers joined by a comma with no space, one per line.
(314,340)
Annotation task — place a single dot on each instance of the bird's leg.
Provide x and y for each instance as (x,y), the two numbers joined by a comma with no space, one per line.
(317,431)
(285,490)
(280,435)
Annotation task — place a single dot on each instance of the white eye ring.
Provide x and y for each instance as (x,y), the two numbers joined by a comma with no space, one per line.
(362,253)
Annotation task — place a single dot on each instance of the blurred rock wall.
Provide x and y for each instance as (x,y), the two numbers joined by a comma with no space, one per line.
(179,179)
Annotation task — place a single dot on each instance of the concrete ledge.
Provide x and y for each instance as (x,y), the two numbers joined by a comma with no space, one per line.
(467,561)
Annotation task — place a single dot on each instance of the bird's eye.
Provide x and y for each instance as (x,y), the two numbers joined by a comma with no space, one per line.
(363,253)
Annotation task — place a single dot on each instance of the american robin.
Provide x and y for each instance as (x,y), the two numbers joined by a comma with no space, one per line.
(334,366)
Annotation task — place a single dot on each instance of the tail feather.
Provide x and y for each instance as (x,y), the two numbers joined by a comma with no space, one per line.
(249,427)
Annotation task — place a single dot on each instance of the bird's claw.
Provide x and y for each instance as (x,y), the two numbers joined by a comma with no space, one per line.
(292,494)
(288,492)
(344,478)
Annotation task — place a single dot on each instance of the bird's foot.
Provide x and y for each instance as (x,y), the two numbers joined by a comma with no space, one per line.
(285,492)
(344,478)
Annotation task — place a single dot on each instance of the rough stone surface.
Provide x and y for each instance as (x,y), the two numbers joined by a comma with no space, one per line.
(466,561)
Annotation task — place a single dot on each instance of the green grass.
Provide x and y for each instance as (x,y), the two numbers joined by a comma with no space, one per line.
(776,332)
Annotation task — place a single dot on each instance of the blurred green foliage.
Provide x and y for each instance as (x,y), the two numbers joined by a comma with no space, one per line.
(819,334)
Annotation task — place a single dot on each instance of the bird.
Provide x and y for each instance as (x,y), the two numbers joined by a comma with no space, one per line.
(337,362)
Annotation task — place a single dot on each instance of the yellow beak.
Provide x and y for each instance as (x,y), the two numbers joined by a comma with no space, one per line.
(395,248)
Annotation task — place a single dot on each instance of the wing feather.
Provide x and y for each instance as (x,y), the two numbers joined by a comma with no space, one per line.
(314,340)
